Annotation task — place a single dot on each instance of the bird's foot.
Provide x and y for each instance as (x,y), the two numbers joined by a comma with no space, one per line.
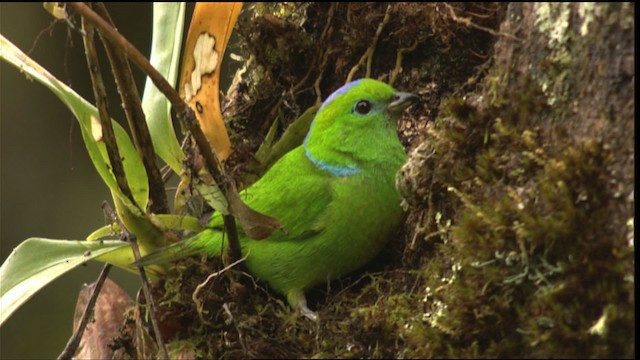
(306,312)
(299,302)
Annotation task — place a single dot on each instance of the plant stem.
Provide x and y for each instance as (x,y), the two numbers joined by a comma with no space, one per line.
(100,95)
(136,118)
(73,343)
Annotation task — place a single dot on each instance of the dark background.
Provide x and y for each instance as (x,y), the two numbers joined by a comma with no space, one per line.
(48,186)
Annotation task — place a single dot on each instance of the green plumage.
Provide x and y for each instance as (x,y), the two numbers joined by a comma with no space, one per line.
(335,196)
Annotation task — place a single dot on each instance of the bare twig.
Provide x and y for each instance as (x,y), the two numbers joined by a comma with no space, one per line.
(143,276)
(381,26)
(149,297)
(100,94)
(399,57)
(225,306)
(73,343)
(194,295)
(183,111)
(235,252)
(326,32)
(468,22)
(136,118)
(368,55)
(134,54)
(320,66)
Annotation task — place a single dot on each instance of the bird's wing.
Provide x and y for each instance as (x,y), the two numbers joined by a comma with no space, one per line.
(295,192)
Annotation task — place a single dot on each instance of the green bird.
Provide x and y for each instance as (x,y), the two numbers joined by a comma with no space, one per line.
(334,195)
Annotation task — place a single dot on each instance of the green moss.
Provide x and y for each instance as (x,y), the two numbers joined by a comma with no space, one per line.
(529,238)
(509,249)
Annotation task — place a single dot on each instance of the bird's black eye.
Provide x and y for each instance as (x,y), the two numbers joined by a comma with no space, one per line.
(363,107)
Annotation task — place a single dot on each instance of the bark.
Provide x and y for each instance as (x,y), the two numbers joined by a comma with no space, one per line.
(519,186)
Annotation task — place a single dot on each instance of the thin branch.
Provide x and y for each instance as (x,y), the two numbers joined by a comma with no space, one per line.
(320,48)
(100,94)
(149,297)
(143,276)
(399,57)
(134,54)
(183,111)
(326,32)
(368,55)
(235,252)
(468,22)
(136,118)
(384,22)
(194,295)
(73,343)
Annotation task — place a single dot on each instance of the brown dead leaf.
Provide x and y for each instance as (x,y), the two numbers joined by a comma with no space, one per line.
(254,224)
(109,313)
(210,29)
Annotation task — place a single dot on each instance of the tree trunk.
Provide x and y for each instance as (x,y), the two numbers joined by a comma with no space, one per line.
(534,171)
(519,187)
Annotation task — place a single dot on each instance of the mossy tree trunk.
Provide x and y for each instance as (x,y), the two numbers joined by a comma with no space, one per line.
(534,172)
(519,186)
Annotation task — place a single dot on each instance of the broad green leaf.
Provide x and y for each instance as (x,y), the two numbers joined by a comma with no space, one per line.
(90,129)
(168,221)
(179,222)
(168,21)
(269,153)
(36,262)
(123,257)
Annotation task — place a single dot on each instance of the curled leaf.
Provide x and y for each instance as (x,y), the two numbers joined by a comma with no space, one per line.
(210,29)
(108,316)
(254,224)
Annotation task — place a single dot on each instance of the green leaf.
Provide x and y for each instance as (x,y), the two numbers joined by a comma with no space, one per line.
(269,153)
(123,257)
(36,262)
(168,21)
(105,231)
(179,222)
(210,192)
(84,112)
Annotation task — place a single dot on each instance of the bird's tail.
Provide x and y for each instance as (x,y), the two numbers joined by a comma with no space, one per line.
(191,246)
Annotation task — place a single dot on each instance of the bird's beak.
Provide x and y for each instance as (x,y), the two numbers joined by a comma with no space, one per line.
(401,101)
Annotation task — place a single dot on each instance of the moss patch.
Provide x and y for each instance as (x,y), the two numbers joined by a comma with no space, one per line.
(519,186)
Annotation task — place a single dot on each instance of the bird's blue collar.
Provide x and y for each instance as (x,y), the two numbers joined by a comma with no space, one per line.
(339,171)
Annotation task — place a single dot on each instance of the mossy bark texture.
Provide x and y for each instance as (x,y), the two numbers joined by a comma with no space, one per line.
(519,189)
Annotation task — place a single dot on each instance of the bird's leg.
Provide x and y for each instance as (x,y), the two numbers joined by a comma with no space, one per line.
(299,302)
